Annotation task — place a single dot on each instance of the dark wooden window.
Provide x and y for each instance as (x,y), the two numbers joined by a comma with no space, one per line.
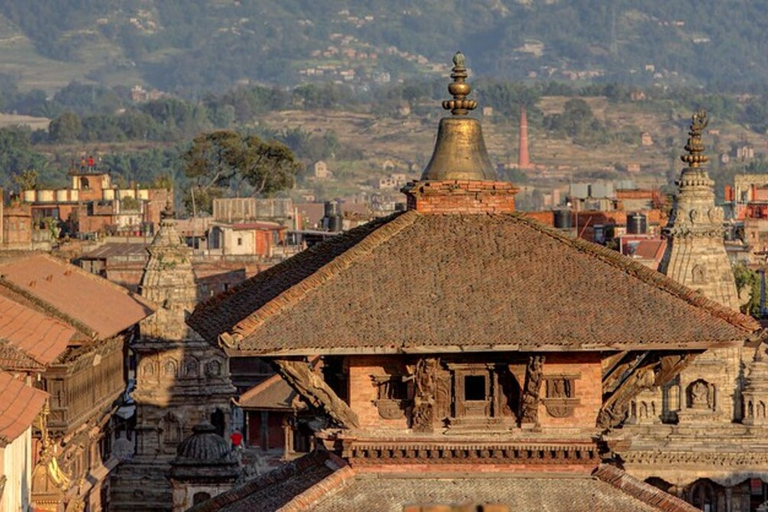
(474,387)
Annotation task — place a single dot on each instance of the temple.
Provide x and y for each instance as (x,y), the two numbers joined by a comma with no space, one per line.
(458,352)
(181,380)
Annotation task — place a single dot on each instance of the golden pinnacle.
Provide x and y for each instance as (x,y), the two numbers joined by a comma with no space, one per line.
(459,89)
(694,147)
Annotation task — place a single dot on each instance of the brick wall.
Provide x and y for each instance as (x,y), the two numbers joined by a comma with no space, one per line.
(588,389)
(363,391)
(461,196)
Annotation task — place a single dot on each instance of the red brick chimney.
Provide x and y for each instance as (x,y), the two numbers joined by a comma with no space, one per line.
(523,160)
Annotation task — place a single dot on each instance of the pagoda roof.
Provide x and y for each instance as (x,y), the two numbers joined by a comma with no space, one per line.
(320,481)
(430,283)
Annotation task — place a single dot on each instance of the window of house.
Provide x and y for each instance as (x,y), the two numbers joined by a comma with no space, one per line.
(474,387)
(239,241)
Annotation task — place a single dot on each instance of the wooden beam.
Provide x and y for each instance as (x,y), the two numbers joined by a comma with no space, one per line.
(316,391)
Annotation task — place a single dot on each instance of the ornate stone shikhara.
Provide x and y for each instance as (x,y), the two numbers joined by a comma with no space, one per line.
(695,253)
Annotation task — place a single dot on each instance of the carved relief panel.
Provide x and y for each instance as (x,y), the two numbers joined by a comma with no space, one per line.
(560,399)
(393,396)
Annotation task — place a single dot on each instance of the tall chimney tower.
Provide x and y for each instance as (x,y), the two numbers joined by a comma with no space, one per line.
(523,161)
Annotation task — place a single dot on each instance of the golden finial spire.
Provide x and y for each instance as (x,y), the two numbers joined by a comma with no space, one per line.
(694,147)
(460,152)
(459,89)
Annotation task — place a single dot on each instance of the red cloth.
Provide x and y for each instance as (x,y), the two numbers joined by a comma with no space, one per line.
(236,438)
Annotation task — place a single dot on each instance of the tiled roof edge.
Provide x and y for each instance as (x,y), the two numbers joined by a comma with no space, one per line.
(26,361)
(258,388)
(274,477)
(649,276)
(336,481)
(641,490)
(284,301)
(49,308)
(196,319)
(103,281)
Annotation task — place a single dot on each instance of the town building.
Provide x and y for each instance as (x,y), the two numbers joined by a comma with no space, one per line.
(467,354)
(93,204)
(20,404)
(63,331)
(263,239)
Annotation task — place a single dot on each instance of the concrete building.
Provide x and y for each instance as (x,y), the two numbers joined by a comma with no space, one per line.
(93,204)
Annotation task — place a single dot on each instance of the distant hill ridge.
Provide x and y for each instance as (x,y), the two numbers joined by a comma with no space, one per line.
(198,45)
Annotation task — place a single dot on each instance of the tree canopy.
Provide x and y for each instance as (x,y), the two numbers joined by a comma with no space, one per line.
(228,160)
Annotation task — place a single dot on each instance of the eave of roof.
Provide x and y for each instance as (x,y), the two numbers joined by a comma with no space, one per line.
(19,406)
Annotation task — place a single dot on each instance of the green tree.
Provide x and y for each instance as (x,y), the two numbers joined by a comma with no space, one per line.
(748,282)
(27,180)
(267,166)
(223,159)
(65,129)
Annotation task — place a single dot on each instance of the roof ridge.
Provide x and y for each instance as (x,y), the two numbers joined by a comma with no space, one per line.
(644,492)
(648,276)
(285,300)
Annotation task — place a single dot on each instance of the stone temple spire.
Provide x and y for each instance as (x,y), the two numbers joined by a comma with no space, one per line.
(168,281)
(695,253)
(460,177)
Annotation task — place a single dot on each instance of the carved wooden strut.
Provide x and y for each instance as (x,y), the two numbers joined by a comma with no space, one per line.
(311,386)
(529,406)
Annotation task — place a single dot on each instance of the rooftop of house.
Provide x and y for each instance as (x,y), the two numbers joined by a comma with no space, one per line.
(273,394)
(41,337)
(321,482)
(92,305)
(118,250)
(19,406)
(432,282)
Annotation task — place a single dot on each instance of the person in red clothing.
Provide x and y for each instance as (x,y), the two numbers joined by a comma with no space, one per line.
(90,162)
(237,440)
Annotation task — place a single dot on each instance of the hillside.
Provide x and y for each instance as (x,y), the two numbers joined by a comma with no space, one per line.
(190,46)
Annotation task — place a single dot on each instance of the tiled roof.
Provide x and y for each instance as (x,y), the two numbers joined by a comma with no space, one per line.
(19,405)
(463,282)
(272,394)
(275,489)
(321,482)
(92,304)
(11,358)
(534,493)
(36,334)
